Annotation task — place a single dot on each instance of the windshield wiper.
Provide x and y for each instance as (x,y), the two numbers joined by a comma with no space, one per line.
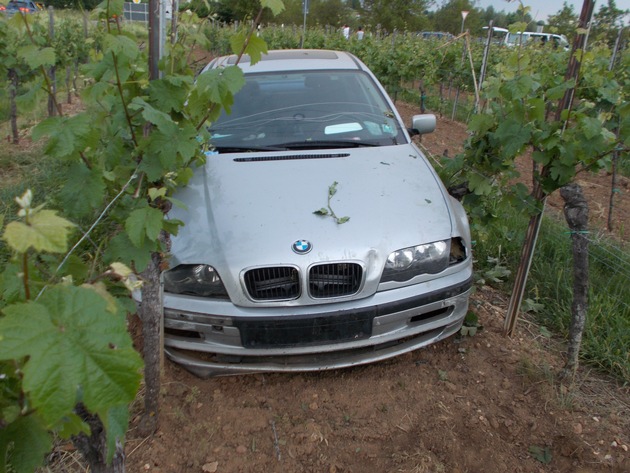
(245,149)
(325,144)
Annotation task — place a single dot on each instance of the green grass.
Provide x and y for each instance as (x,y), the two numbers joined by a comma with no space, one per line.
(606,342)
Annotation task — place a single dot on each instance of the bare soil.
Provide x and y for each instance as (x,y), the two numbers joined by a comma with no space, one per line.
(485,403)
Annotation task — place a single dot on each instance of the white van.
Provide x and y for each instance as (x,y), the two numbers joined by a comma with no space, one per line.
(530,37)
(504,37)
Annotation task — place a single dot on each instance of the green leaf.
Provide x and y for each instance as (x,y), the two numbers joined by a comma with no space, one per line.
(276,6)
(29,442)
(169,93)
(36,57)
(321,211)
(172,226)
(530,305)
(542,454)
(121,45)
(116,421)
(78,351)
(536,109)
(160,119)
(75,267)
(342,220)
(71,425)
(479,184)
(256,47)
(521,87)
(556,93)
(144,222)
(121,249)
(591,127)
(471,319)
(112,6)
(481,123)
(217,86)
(232,77)
(11,286)
(168,146)
(542,157)
(155,193)
(83,192)
(44,231)
(68,136)
(513,134)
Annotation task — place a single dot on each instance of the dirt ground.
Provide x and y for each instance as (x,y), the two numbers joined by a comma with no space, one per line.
(485,403)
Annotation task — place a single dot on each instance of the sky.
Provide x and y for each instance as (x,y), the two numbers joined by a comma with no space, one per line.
(541,9)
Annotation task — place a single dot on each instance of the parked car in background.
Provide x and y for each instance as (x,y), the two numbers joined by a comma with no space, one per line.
(317,235)
(530,38)
(439,35)
(22,6)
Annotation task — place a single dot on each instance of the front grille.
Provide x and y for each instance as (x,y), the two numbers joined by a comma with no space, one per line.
(273,284)
(306,331)
(281,283)
(334,280)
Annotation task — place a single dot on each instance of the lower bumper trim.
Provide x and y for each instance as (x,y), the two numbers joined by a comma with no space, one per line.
(209,365)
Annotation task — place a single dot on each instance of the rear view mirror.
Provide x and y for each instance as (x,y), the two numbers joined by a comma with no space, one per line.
(422,124)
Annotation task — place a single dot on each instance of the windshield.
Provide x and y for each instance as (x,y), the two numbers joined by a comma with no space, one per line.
(307,109)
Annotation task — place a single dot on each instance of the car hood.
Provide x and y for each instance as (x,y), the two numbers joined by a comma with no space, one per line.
(247,209)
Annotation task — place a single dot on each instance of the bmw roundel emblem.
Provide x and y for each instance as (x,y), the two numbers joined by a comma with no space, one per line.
(301,247)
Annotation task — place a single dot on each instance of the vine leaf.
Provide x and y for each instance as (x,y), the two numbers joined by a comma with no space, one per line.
(513,134)
(256,46)
(480,185)
(67,135)
(85,182)
(161,120)
(170,92)
(216,86)
(329,212)
(323,212)
(77,349)
(276,6)
(115,421)
(121,248)
(168,145)
(542,454)
(43,231)
(36,57)
(521,87)
(29,442)
(71,425)
(142,223)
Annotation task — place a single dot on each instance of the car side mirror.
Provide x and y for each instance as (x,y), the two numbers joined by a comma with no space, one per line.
(423,124)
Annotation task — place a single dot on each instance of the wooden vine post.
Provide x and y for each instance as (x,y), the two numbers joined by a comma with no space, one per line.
(576,214)
(151,308)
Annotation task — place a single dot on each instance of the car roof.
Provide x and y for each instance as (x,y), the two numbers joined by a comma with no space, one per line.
(294,60)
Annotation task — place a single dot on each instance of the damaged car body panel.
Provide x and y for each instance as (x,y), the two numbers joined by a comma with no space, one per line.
(317,235)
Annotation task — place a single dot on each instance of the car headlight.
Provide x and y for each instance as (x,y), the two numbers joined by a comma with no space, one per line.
(431,258)
(194,279)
